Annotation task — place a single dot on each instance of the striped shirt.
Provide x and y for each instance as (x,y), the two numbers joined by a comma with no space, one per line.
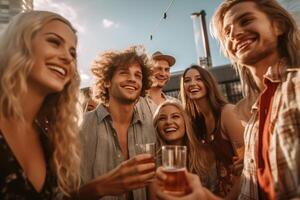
(284,146)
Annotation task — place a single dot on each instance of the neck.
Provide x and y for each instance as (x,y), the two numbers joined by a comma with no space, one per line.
(179,142)
(121,113)
(259,69)
(203,106)
(155,94)
(31,102)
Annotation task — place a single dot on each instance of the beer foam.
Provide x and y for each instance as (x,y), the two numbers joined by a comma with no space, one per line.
(172,169)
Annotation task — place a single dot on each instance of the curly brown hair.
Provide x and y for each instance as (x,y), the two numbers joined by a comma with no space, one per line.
(107,63)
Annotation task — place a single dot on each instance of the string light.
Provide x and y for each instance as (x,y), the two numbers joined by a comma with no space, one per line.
(164,16)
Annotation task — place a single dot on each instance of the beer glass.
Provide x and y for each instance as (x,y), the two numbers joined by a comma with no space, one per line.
(174,165)
(147,148)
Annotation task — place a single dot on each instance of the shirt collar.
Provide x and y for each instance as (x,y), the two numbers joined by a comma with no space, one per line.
(274,74)
(103,113)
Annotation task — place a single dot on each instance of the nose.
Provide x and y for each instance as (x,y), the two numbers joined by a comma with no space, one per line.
(235,32)
(132,77)
(66,56)
(168,120)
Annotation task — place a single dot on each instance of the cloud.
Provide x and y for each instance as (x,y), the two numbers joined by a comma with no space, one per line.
(106,23)
(63,9)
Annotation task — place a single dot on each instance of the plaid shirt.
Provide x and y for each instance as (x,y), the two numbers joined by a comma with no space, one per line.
(284,149)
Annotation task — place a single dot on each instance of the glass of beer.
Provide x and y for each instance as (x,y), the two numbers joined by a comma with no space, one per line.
(174,165)
(145,148)
(148,148)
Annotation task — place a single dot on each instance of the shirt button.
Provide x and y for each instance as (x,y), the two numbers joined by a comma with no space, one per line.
(252,161)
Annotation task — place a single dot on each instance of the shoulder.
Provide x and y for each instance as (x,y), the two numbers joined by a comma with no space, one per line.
(228,109)
(230,118)
(145,107)
(89,120)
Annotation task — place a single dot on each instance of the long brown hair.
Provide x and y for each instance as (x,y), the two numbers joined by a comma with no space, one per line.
(215,99)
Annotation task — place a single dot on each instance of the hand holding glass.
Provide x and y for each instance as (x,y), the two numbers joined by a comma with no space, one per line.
(174,166)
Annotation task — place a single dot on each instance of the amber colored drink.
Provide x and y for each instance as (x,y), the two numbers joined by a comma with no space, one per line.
(175,183)
(150,160)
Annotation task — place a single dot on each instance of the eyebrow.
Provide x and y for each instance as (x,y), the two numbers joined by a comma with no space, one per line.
(176,113)
(61,38)
(51,33)
(238,18)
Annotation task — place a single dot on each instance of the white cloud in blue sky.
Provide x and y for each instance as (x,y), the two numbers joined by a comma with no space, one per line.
(106,23)
(64,9)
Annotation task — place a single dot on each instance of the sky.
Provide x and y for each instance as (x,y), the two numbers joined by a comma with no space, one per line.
(104,25)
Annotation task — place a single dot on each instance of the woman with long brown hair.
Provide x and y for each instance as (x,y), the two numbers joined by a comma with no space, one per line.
(214,121)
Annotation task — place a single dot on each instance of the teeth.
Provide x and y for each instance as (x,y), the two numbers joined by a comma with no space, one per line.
(242,44)
(194,90)
(170,129)
(129,87)
(58,69)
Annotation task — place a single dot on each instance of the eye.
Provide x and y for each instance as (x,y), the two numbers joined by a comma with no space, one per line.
(123,72)
(139,76)
(227,32)
(161,118)
(73,54)
(245,21)
(177,116)
(54,41)
(186,80)
(199,79)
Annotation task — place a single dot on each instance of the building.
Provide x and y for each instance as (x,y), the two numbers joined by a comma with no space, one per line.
(9,8)
(226,76)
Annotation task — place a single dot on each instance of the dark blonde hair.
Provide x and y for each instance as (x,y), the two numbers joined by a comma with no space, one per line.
(288,42)
(106,64)
(200,158)
(16,63)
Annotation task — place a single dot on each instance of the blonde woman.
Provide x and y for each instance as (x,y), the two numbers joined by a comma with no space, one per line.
(173,127)
(215,123)
(39,152)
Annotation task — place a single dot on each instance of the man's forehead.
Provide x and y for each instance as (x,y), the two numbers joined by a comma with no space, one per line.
(161,62)
(131,65)
(237,11)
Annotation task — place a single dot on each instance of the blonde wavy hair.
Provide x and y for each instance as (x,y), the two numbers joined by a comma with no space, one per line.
(107,63)
(200,158)
(288,42)
(57,113)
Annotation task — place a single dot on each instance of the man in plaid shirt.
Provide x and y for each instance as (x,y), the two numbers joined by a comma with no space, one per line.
(263,41)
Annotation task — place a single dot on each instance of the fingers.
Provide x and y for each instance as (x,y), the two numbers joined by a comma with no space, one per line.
(137,169)
(139,181)
(138,159)
(163,196)
(160,174)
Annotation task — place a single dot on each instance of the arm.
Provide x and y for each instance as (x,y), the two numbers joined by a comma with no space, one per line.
(232,126)
(129,175)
